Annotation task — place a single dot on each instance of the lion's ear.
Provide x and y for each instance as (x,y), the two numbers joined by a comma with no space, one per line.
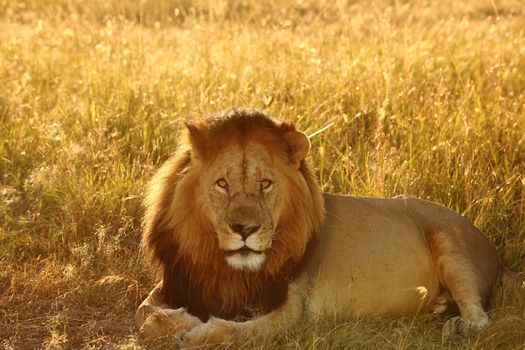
(195,139)
(299,144)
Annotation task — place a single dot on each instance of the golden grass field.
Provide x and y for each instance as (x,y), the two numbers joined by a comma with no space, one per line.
(409,98)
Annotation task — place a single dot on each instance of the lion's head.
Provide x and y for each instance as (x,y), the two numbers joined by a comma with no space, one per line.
(236,205)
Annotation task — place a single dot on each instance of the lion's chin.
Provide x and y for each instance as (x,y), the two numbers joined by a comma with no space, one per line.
(252,261)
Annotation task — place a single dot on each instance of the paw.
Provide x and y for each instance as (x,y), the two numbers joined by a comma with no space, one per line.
(157,325)
(202,334)
(440,304)
(457,326)
(215,331)
(160,322)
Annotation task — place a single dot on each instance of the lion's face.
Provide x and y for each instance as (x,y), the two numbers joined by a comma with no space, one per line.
(238,194)
(242,194)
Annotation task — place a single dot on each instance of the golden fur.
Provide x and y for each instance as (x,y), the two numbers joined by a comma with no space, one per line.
(234,224)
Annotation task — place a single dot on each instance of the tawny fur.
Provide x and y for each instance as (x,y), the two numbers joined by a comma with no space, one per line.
(369,256)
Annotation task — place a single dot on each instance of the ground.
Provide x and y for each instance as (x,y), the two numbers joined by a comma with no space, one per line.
(406,98)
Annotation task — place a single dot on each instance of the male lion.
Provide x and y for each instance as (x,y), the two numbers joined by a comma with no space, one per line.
(235,222)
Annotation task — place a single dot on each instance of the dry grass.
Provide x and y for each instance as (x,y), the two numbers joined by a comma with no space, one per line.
(423,99)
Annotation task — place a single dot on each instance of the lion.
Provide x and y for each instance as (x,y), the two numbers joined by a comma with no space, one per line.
(246,242)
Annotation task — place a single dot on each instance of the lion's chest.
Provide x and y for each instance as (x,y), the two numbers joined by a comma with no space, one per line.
(233,297)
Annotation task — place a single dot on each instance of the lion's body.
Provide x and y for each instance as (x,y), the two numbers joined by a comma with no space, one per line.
(235,222)
(373,256)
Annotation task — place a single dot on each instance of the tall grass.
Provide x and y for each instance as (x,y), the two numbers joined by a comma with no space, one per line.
(416,99)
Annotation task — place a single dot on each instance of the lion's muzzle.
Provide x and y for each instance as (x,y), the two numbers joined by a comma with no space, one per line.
(244,229)
(244,225)
(244,219)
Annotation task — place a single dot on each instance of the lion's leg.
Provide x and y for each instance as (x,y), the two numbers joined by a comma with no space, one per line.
(154,318)
(219,330)
(466,294)
(466,285)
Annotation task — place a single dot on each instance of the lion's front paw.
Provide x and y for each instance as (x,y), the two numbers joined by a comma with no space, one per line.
(215,331)
(160,322)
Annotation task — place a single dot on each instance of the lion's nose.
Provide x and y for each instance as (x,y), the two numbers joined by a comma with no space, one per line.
(244,229)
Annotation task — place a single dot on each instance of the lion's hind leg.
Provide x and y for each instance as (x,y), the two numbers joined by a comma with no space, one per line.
(467,284)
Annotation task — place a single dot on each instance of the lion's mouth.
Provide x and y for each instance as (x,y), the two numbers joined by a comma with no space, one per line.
(245,258)
(244,251)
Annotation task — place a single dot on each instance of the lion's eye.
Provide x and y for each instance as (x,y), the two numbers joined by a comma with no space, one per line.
(266,185)
(222,185)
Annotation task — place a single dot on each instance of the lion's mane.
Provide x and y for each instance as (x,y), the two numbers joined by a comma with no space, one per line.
(178,237)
